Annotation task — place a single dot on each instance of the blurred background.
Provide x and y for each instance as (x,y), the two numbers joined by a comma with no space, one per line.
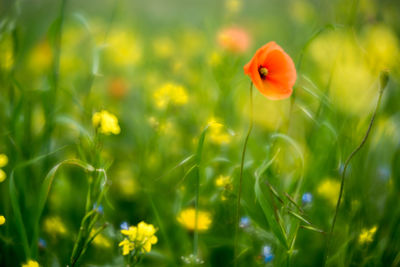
(166,69)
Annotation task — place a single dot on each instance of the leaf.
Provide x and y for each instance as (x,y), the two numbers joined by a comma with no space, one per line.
(312,228)
(68,121)
(269,212)
(293,202)
(18,217)
(299,152)
(298,216)
(15,203)
(198,156)
(45,190)
(274,192)
(273,221)
(181,163)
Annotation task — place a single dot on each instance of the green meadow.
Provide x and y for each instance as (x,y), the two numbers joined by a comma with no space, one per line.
(199,133)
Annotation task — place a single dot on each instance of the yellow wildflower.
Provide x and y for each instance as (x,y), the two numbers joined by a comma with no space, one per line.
(6,56)
(140,237)
(106,122)
(170,93)
(3,175)
(177,65)
(124,48)
(187,218)
(100,240)
(126,184)
(233,6)
(127,246)
(2,220)
(329,189)
(163,47)
(367,236)
(40,58)
(301,11)
(214,59)
(3,160)
(382,47)
(223,181)
(334,47)
(217,134)
(31,263)
(54,226)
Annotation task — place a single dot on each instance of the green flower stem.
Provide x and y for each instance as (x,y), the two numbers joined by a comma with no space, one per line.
(237,218)
(346,164)
(198,157)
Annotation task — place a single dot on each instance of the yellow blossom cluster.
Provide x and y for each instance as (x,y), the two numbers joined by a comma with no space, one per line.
(106,122)
(187,218)
(54,226)
(100,240)
(233,6)
(170,93)
(3,162)
(217,132)
(31,263)
(223,181)
(351,64)
(2,220)
(124,48)
(6,56)
(367,235)
(163,47)
(329,189)
(140,238)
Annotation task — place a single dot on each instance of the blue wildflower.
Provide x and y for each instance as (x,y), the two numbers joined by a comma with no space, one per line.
(244,222)
(268,258)
(124,226)
(384,173)
(98,208)
(42,243)
(267,254)
(306,198)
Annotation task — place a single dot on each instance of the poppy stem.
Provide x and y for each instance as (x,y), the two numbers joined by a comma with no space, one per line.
(382,86)
(241,176)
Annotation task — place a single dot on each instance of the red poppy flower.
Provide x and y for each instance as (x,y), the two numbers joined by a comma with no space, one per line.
(272,71)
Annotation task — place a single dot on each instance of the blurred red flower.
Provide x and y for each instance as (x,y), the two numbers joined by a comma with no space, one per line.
(234,39)
(118,88)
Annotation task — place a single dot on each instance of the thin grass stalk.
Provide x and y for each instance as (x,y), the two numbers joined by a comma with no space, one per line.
(196,216)
(237,218)
(383,83)
(197,190)
(54,78)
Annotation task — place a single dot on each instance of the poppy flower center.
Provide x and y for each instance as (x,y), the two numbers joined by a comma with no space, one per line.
(263,72)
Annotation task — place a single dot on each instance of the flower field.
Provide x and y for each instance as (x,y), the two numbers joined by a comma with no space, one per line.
(199,133)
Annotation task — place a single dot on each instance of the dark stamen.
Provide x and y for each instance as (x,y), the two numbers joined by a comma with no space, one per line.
(263,72)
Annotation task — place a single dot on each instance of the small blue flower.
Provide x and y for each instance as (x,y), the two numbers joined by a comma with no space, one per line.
(306,198)
(267,254)
(266,250)
(268,258)
(98,208)
(244,222)
(124,226)
(42,243)
(384,173)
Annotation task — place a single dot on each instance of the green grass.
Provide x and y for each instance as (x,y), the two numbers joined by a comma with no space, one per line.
(159,68)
